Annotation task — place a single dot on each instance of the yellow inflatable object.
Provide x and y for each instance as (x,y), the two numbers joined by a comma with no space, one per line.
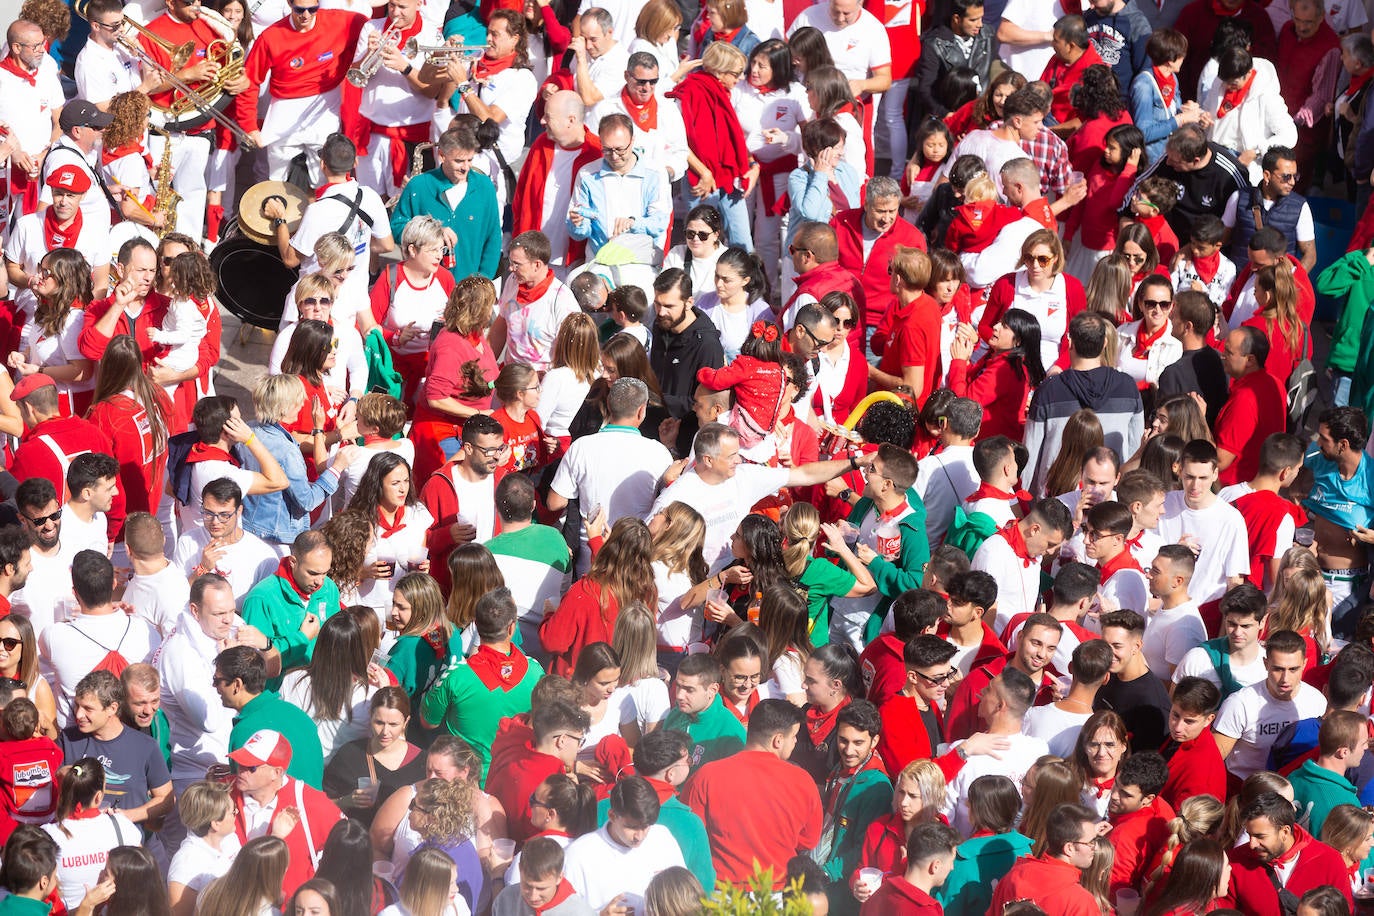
(857,413)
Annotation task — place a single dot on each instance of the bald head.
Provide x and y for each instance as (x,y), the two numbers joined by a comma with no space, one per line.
(23,31)
(563,115)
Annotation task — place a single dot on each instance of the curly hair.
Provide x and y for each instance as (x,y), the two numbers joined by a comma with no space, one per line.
(130,113)
(447,808)
(52,16)
(515,24)
(470,305)
(348,534)
(1097,93)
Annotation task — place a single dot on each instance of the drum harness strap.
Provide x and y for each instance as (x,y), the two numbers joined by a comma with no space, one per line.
(99,179)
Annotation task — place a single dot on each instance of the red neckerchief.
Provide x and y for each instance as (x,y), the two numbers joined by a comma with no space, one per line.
(1144,341)
(820,724)
(1136,278)
(486,68)
(847,108)
(108,155)
(1100,787)
(1360,80)
(373,440)
(437,641)
(928,171)
(325,188)
(1206,268)
(645,116)
(1123,560)
(525,295)
(1301,839)
(1133,544)
(57,237)
(1168,85)
(1012,532)
(1039,210)
(11,66)
(838,200)
(1156,224)
(396,524)
(82,813)
(896,511)
(726,36)
(981,833)
(497,671)
(988,491)
(565,890)
(749,705)
(284,570)
(202,452)
(842,774)
(1232,98)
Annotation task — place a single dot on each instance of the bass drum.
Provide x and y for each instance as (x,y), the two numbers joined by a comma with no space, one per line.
(253,281)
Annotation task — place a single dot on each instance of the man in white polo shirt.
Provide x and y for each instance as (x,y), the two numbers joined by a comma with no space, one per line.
(1176,628)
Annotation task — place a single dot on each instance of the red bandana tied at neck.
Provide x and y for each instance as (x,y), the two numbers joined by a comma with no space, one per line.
(1144,340)
(1223,11)
(486,68)
(1100,787)
(645,116)
(1133,544)
(1301,839)
(1360,80)
(527,294)
(565,890)
(1116,564)
(1233,98)
(1206,268)
(1039,210)
(1168,85)
(497,671)
(1012,532)
(988,491)
(819,724)
(726,36)
(284,570)
(202,452)
(396,524)
(12,66)
(57,237)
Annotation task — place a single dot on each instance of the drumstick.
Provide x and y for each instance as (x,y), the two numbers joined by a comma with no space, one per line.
(137,203)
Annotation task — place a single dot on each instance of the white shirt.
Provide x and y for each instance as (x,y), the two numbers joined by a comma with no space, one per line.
(350,360)
(160,597)
(857,49)
(47,593)
(678,626)
(558,189)
(388,98)
(663,147)
(73,648)
(944,481)
(532,327)
(28,242)
(103,73)
(561,399)
(1057,728)
(334,733)
(353,474)
(702,270)
(197,863)
(28,109)
(1255,718)
(1127,588)
(245,563)
(722,505)
(326,215)
(421,306)
(1220,530)
(1197,663)
(1170,635)
(78,535)
(1033,16)
(607,73)
(600,869)
(81,856)
(1018,585)
(404,546)
(198,721)
(624,14)
(1014,763)
(513,91)
(850,615)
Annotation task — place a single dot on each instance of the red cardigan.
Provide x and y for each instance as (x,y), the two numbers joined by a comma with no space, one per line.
(1002,390)
(579,621)
(1002,296)
(872,273)
(1196,768)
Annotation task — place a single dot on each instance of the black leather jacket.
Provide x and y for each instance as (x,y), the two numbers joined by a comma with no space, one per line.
(941,53)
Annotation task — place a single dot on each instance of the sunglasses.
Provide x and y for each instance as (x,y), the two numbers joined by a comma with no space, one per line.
(1043,260)
(304,10)
(318,300)
(10,643)
(849,323)
(1156,304)
(692,235)
(639,82)
(42,520)
(937,680)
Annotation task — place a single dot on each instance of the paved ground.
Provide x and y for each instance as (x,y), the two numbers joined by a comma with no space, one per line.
(244,361)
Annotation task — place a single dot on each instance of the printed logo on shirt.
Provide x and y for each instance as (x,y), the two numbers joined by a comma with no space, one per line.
(296,63)
(1206,201)
(32,774)
(324,56)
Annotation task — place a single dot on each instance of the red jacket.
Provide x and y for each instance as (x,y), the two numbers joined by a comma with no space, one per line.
(441,499)
(872,272)
(318,816)
(961,718)
(830,277)
(142,468)
(883,668)
(1252,890)
(1136,836)
(1002,389)
(851,392)
(899,897)
(48,449)
(580,620)
(885,844)
(302,64)
(755,807)
(28,782)
(1002,296)
(1195,768)
(514,781)
(904,737)
(1052,884)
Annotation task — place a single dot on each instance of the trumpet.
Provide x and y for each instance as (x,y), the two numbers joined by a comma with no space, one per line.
(438,55)
(367,68)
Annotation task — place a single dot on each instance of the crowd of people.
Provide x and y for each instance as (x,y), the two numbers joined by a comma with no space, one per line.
(868,454)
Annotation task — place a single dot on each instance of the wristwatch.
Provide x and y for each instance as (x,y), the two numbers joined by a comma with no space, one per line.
(853,463)
(278,221)
(846,493)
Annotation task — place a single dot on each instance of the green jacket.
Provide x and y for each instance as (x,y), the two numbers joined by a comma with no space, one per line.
(267,710)
(1316,791)
(686,827)
(475,222)
(275,608)
(416,665)
(716,732)
(14,905)
(869,798)
(161,732)
(978,863)
(1350,278)
(894,578)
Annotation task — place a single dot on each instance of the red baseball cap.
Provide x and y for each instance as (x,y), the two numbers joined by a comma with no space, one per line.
(264,748)
(29,384)
(70,178)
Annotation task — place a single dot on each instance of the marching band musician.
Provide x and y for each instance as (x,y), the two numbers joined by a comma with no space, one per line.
(397,105)
(125,164)
(500,85)
(30,102)
(81,124)
(105,68)
(184,22)
(306,55)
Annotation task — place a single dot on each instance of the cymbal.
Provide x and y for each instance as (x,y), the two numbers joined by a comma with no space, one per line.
(258,227)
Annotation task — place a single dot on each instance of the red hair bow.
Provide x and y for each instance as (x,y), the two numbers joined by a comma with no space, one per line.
(768,332)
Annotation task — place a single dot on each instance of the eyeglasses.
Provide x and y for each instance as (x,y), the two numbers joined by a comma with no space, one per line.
(746,679)
(1133,258)
(29,44)
(112,26)
(561,735)
(218,680)
(242,768)
(793,249)
(43,520)
(1089,843)
(492,451)
(1162,305)
(536,803)
(1092,537)
(693,235)
(814,339)
(10,643)
(218,516)
(318,300)
(1043,260)
(639,82)
(938,680)
(617,151)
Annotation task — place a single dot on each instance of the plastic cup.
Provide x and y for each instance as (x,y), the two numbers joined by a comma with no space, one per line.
(503,850)
(872,878)
(1127,902)
(717,595)
(417,556)
(1369,878)
(384,870)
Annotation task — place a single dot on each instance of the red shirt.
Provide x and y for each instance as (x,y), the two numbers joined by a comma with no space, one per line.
(885,844)
(1087,144)
(755,807)
(525,438)
(883,668)
(1000,387)
(198,32)
(872,270)
(514,782)
(1052,884)
(961,718)
(1136,836)
(1002,296)
(1195,768)
(915,341)
(48,449)
(1063,77)
(1264,511)
(579,621)
(301,64)
(1283,356)
(319,815)
(1252,890)
(441,499)
(142,468)
(1256,409)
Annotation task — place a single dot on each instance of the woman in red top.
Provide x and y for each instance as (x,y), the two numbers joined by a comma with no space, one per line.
(1097,99)
(917,793)
(1200,877)
(134,413)
(518,388)
(1276,295)
(459,375)
(47,342)
(621,574)
(1004,378)
(311,353)
(1041,287)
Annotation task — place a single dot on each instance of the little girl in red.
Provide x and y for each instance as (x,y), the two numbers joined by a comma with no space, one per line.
(517,387)
(757,379)
(978,220)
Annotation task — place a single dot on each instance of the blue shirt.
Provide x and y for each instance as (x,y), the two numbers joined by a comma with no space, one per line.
(1345,503)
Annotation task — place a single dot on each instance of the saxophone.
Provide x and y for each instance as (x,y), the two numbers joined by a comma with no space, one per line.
(165,199)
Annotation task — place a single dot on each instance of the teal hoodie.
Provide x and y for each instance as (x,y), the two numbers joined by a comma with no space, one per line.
(894,578)
(869,798)
(1350,278)
(978,863)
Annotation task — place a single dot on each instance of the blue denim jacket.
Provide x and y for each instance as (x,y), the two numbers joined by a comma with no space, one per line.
(1148,111)
(278,517)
